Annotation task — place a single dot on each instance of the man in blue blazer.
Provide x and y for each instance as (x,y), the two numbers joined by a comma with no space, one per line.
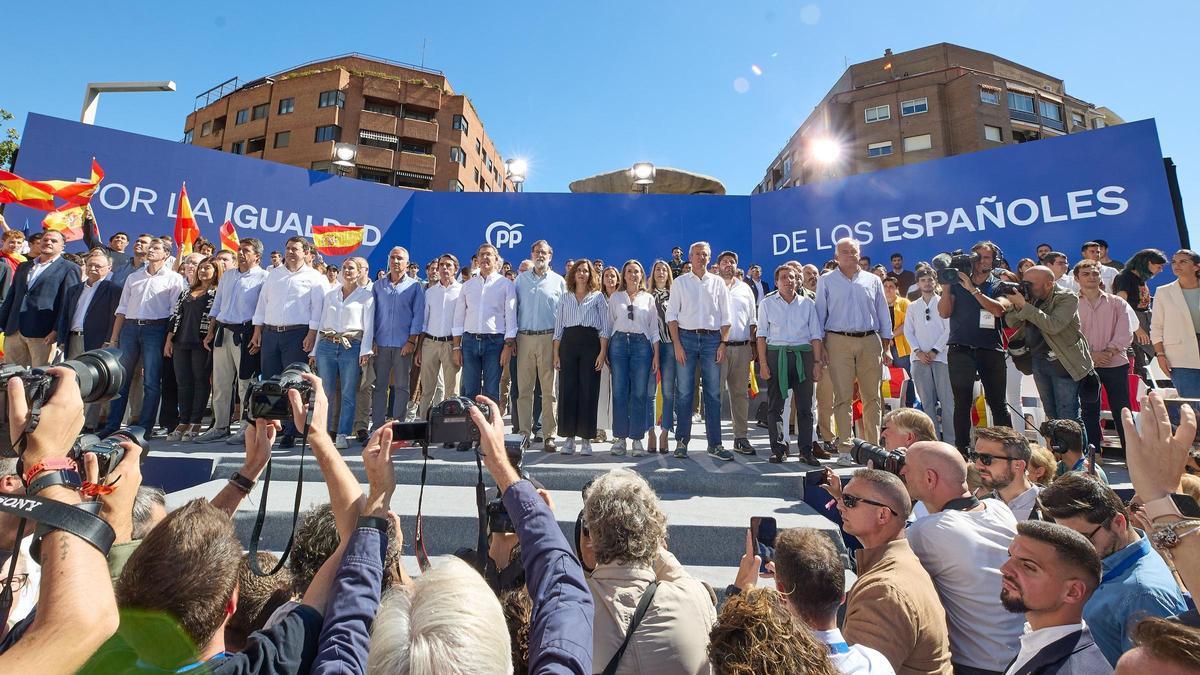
(30,312)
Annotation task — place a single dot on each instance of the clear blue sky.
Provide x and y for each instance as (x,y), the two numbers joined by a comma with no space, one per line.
(581,88)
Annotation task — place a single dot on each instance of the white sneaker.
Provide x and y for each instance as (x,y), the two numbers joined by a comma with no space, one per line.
(341,443)
(844,459)
(238,438)
(569,448)
(618,447)
(586,448)
(213,435)
(637,448)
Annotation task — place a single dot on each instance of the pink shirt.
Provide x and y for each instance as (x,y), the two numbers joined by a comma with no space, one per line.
(1105,325)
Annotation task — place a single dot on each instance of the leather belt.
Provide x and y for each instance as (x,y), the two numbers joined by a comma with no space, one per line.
(284,329)
(535,332)
(435,338)
(341,339)
(737,343)
(700,331)
(480,336)
(148,322)
(859,334)
(77,332)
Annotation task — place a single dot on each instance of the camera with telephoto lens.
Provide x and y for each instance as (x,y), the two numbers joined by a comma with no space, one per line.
(948,265)
(108,451)
(447,422)
(266,399)
(98,372)
(885,460)
(1021,288)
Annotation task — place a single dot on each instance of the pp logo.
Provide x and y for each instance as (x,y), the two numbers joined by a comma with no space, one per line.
(503,235)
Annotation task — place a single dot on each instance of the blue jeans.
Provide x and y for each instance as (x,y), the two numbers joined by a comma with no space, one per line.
(144,343)
(667,369)
(630,357)
(700,353)
(1060,395)
(1187,383)
(334,361)
(278,351)
(481,365)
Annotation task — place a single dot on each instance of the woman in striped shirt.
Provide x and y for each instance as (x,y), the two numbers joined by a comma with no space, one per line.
(581,330)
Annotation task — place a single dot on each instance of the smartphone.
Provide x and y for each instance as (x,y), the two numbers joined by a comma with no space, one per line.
(763,530)
(815,479)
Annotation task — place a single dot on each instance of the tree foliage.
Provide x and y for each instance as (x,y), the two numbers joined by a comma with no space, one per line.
(9,138)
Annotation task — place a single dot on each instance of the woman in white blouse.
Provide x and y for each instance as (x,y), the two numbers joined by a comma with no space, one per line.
(581,329)
(632,353)
(344,342)
(610,279)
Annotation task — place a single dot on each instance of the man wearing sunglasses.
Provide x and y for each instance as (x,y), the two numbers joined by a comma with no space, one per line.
(1001,456)
(962,543)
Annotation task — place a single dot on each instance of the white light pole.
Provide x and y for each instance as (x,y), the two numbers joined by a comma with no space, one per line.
(91,94)
(344,154)
(643,176)
(516,170)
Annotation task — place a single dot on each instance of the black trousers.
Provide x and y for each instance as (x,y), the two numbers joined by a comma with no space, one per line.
(168,407)
(192,366)
(967,364)
(1116,382)
(579,382)
(802,394)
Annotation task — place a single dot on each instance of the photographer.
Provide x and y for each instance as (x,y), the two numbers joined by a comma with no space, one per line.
(976,351)
(1062,362)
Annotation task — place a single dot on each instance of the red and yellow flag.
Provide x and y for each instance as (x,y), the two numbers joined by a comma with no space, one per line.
(31,193)
(68,220)
(186,230)
(229,238)
(76,193)
(337,240)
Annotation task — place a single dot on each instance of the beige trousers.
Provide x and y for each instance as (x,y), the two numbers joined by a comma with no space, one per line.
(825,429)
(535,363)
(437,358)
(226,359)
(850,359)
(32,352)
(735,376)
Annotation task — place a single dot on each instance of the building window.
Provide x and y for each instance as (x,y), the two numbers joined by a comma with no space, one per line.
(460,123)
(324,166)
(416,148)
(381,107)
(1098,123)
(286,105)
(329,132)
(456,186)
(376,139)
(187,136)
(1050,110)
(1020,102)
(992,133)
(375,175)
(282,139)
(242,116)
(476,175)
(237,147)
(989,95)
(417,181)
(914,143)
(1077,120)
(331,98)
(879,149)
(258,112)
(417,114)
(914,107)
(458,156)
(478,147)
(488,161)
(205,129)
(879,113)
(256,145)
(487,188)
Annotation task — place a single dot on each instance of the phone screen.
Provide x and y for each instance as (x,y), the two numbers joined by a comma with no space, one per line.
(763,530)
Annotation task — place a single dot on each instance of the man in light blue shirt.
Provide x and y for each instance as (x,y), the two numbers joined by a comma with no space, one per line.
(1136,583)
(854,314)
(538,291)
(399,319)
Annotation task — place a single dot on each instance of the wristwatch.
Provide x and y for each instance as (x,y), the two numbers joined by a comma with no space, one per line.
(65,477)
(1172,505)
(241,482)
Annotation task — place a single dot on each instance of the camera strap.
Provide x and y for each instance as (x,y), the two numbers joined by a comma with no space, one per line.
(481,550)
(419,528)
(961,504)
(256,534)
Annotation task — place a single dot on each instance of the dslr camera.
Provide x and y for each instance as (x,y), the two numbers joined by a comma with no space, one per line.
(266,398)
(108,451)
(98,372)
(948,265)
(886,460)
(447,422)
(1021,288)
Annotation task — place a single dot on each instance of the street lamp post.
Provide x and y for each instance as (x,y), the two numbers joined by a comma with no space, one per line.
(343,157)
(515,170)
(91,94)
(643,174)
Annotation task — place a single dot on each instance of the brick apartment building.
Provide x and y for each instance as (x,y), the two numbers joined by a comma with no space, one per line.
(410,127)
(924,104)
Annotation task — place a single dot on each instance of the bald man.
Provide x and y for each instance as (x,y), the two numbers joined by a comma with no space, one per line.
(1062,361)
(962,543)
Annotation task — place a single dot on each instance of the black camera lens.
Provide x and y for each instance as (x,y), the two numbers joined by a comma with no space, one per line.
(99,374)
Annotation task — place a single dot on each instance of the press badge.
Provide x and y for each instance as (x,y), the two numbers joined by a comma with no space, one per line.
(987,319)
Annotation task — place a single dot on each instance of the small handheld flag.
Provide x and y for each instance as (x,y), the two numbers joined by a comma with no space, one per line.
(186,230)
(229,238)
(337,240)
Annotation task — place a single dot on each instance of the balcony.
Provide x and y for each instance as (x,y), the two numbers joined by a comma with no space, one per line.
(373,121)
(381,88)
(1023,116)
(422,96)
(1053,124)
(414,163)
(419,130)
(371,156)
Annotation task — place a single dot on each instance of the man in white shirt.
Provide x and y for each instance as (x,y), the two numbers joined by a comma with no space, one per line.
(927,334)
(1049,576)
(287,315)
(1001,454)
(90,310)
(538,291)
(434,355)
(962,543)
(140,332)
(740,345)
(1091,251)
(698,317)
(1058,264)
(230,331)
(811,578)
(485,327)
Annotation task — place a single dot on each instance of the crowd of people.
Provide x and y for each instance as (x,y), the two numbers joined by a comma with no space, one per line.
(979,552)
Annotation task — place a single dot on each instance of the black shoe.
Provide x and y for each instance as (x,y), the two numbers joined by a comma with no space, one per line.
(463,447)
(720,453)
(286,442)
(742,446)
(807,458)
(537,438)
(361,435)
(447,445)
(681,451)
(776,458)
(819,451)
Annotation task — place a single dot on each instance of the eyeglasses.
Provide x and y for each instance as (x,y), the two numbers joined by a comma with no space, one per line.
(1099,527)
(926,313)
(18,582)
(852,501)
(629,307)
(986,459)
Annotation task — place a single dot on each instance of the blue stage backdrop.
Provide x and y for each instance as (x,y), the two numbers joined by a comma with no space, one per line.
(1108,183)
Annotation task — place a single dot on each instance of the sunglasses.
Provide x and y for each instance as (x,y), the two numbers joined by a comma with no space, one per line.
(986,459)
(852,501)
(926,313)
(629,307)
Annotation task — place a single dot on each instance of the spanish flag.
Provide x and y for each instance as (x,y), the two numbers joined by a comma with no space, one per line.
(229,238)
(69,220)
(34,194)
(186,231)
(337,240)
(76,193)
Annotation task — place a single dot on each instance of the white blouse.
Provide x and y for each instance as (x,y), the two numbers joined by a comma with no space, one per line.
(644,315)
(344,314)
